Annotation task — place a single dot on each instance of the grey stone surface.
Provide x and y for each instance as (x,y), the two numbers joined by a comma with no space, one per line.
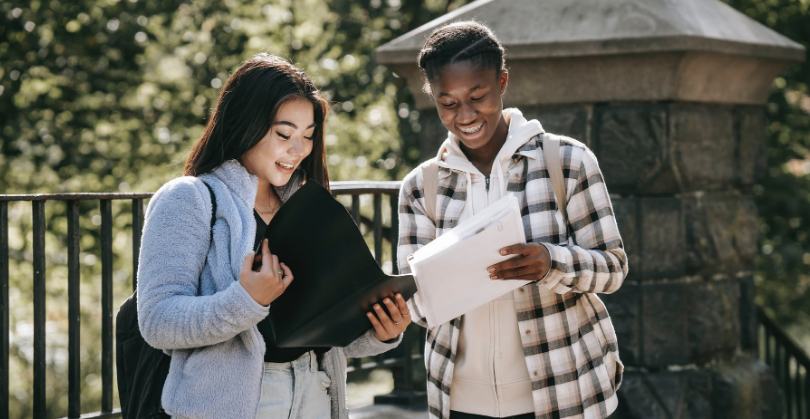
(722,233)
(626,212)
(623,306)
(704,145)
(686,323)
(665,149)
(557,28)
(713,321)
(571,121)
(636,50)
(664,327)
(740,389)
(750,123)
(663,239)
(670,237)
(745,390)
(631,145)
(665,395)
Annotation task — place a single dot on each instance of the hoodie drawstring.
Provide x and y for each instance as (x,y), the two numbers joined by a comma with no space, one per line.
(469,193)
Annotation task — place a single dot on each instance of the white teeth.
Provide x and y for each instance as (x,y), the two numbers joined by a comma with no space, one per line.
(286,166)
(472,130)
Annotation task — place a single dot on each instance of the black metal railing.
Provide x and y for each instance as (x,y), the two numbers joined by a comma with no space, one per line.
(789,362)
(400,361)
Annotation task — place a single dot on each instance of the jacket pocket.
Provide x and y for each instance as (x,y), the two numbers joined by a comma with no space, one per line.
(323,380)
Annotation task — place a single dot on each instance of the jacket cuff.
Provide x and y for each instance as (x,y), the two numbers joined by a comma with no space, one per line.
(384,345)
(553,276)
(247,301)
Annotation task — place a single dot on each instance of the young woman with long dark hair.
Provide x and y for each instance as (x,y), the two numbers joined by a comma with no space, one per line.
(547,349)
(199,298)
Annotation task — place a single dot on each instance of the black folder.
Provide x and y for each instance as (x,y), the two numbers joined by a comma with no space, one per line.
(336,279)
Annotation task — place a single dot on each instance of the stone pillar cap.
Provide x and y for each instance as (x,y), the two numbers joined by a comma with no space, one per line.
(580,51)
(576,28)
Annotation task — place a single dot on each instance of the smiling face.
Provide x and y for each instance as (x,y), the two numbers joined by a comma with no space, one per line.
(468,99)
(288,142)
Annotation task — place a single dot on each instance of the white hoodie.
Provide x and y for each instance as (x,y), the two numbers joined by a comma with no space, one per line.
(490,376)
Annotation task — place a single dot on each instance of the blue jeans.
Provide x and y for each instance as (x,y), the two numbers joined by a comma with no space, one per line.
(294,390)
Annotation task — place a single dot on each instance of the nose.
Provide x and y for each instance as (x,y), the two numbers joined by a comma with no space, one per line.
(296,146)
(466,114)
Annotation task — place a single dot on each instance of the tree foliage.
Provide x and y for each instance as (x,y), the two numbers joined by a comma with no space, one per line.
(783,192)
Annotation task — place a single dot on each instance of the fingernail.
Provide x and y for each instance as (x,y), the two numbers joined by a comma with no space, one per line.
(368,314)
(387,300)
(503,252)
(491,270)
(493,277)
(377,306)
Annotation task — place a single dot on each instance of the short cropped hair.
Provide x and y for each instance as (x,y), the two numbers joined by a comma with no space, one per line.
(465,41)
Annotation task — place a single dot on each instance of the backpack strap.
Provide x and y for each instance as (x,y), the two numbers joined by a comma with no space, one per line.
(551,155)
(430,186)
(211,229)
(213,208)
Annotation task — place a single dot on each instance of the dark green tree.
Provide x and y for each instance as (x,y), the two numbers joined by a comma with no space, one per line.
(783,191)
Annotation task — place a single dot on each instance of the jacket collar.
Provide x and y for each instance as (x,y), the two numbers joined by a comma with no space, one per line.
(243,184)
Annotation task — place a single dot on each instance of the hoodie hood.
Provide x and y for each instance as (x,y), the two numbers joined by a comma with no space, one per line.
(520,132)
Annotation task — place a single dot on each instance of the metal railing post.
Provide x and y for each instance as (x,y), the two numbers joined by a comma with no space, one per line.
(4,311)
(74,312)
(38,211)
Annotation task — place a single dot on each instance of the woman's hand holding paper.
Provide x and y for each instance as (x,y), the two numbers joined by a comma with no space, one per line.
(389,327)
(533,263)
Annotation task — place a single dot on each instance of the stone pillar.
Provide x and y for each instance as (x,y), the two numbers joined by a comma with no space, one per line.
(669,95)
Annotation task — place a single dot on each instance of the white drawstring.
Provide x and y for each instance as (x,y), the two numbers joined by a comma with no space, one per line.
(469,193)
(501,179)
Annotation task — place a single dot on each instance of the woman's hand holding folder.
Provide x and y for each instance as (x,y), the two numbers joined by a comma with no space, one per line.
(388,327)
(271,279)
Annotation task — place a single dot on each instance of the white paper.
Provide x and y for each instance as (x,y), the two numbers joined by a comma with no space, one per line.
(451,271)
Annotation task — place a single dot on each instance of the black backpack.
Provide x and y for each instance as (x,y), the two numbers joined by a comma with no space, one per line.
(141,369)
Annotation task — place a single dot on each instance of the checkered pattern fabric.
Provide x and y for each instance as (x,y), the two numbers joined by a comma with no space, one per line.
(568,339)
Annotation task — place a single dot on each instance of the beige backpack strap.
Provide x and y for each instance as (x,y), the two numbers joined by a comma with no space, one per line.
(430,186)
(551,154)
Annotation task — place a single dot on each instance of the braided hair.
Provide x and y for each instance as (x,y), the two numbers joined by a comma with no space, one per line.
(465,41)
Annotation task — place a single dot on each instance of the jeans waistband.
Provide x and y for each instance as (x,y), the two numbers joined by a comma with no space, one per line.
(309,359)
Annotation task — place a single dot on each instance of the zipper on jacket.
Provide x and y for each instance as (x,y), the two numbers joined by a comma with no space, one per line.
(487,179)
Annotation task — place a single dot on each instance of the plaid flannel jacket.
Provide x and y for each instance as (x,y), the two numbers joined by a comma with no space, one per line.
(568,339)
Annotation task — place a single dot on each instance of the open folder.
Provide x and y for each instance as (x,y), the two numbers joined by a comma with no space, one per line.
(451,271)
(336,279)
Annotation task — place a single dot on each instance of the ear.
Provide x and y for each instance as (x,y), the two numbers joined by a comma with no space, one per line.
(503,80)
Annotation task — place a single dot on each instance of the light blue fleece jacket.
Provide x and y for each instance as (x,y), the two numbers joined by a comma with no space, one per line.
(191,304)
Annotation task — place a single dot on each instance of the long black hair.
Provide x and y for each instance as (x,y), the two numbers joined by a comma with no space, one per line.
(245,112)
(455,42)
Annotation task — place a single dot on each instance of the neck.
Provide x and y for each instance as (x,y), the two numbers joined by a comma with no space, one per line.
(265,195)
(483,157)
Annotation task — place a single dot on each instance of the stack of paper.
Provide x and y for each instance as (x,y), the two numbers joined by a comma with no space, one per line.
(451,271)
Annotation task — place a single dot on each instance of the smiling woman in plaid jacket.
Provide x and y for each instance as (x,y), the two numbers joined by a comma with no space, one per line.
(547,349)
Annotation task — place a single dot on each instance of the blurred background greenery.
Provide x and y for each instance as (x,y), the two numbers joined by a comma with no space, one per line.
(108,96)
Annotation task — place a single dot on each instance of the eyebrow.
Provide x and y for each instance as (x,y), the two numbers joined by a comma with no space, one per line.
(474,88)
(288,123)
